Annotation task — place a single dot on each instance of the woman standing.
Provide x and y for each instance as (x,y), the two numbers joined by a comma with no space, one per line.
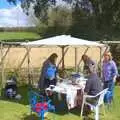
(109,72)
(48,72)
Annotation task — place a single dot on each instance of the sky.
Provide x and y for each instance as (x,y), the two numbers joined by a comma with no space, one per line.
(4,4)
(12,16)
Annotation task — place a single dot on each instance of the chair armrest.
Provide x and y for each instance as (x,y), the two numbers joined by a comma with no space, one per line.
(89,96)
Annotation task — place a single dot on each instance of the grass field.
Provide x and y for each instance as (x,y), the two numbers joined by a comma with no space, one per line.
(12,110)
(18,36)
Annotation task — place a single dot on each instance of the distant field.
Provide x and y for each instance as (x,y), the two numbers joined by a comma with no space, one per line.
(18,36)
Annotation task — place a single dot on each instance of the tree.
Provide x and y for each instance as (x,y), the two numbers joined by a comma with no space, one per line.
(107,12)
(104,13)
(40,7)
(58,17)
(115,50)
(59,22)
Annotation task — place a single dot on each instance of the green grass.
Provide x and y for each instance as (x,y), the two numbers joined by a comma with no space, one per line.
(18,36)
(14,110)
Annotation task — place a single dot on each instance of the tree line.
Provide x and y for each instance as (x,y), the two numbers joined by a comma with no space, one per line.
(88,19)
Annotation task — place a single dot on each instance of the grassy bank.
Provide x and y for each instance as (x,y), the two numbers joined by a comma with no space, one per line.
(18,36)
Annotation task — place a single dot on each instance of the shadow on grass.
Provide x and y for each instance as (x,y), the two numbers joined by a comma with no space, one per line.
(61,106)
(75,111)
(34,117)
(87,118)
(30,117)
(54,117)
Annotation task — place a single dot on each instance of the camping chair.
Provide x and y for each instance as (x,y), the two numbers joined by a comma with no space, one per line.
(40,104)
(99,102)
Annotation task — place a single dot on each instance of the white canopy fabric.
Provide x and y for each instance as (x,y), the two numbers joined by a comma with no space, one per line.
(62,40)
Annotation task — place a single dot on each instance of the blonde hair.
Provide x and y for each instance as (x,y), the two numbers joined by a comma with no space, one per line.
(108,54)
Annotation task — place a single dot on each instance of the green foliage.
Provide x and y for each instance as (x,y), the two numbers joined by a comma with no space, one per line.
(12,74)
(115,50)
(60,16)
(56,24)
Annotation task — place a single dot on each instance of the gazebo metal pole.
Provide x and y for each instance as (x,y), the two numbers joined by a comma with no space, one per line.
(65,51)
(5,54)
(100,62)
(25,56)
(2,67)
(81,59)
(63,62)
(28,62)
(101,56)
(75,59)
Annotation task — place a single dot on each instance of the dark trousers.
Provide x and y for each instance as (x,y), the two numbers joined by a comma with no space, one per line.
(110,94)
(50,82)
(46,85)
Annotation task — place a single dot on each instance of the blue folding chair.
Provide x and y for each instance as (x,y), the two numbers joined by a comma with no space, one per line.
(40,104)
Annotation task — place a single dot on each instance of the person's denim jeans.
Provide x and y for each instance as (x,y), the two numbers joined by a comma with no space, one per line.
(110,86)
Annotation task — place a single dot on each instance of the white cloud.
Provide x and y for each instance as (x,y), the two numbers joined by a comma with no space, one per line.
(13,17)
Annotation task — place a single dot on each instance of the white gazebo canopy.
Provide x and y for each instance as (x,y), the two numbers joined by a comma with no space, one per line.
(62,40)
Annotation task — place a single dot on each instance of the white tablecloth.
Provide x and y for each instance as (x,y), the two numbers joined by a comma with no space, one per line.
(70,90)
